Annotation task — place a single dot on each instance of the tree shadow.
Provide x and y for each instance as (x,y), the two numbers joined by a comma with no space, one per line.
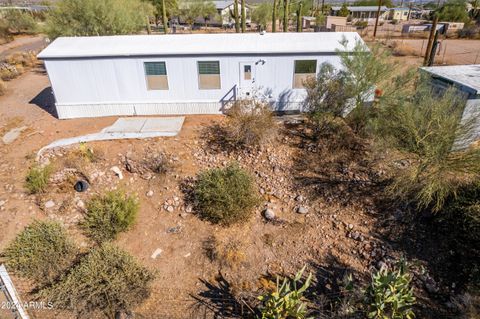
(336,167)
(218,301)
(46,101)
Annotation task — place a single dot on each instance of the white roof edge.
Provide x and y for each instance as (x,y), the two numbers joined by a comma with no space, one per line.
(467,75)
(197,44)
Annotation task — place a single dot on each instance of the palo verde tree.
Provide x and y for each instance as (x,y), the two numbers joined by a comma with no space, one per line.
(343,12)
(93,17)
(334,91)
(428,129)
(262,14)
(454,10)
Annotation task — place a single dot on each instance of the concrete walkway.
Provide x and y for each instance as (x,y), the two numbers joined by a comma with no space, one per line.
(126,128)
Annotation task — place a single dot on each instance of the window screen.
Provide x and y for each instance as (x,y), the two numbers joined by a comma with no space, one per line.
(209,75)
(304,69)
(156,75)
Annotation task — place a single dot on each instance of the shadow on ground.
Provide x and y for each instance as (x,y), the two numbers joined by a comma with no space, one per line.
(217,301)
(46,101)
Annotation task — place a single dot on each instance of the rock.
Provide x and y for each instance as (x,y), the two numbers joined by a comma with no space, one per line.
(189,209)
(2,203)
(183,215)
(149,193)
(156,253)
(350,226)
(269,214)
(299,198)
(80,204)
(170,209)
(117,171)
(13,134)
(50,204)
(302,210)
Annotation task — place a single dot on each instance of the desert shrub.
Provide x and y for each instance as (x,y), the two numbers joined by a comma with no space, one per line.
(109,214)
(229,252)
(41,252)
(5,35)
(339,91)
(107,280)
(20,22)
(3,87)
(425,128)
(225,195)
(20,69)
(469,32)
(37,178)
(390,294)
(8,73)
(250,123)
(361,24)
(286,300)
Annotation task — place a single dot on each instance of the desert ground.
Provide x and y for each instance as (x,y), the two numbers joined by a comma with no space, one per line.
(345,226)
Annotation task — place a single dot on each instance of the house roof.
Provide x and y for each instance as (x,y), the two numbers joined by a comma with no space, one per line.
(466,75)
(400,9)
(361,8)
(222,4)
(198,44)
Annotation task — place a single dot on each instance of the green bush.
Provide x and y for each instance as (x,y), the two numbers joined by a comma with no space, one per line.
(41,252)
(390,295)
(425,127)
(20,22)
(286,300)
(250,123)
(225,195)
(109,214)
(37,178)
(107,280)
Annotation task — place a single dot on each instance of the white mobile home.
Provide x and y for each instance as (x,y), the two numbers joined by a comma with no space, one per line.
(184,74)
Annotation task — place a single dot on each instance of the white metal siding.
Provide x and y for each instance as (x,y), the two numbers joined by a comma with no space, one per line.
(117,86)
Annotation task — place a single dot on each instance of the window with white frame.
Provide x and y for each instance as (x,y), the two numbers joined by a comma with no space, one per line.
(303,70)
(156,75)
(209,75)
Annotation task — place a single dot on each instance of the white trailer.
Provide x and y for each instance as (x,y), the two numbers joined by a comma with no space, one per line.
(185,74)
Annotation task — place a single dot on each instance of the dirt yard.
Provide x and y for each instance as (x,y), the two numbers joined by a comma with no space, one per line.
(451,51)
(344,226)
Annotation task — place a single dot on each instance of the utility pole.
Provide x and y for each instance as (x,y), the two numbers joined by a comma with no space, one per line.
(274,16)
(409,11)
(430,40)
(376,19)
(244,18)
(149,30)
(285,15)
(235,13)
(323,5)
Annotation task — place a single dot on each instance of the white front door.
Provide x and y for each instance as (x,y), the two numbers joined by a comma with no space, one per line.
(247,79)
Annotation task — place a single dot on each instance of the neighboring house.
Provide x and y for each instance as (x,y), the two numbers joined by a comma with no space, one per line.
(332,21)
(466,79)
(225,9)
(363,12)
(185,74)
(399,14)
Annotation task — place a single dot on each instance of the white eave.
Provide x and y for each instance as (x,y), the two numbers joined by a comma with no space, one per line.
(198,44)
(465,75)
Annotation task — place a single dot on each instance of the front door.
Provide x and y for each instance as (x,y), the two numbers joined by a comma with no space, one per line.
(247,79)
